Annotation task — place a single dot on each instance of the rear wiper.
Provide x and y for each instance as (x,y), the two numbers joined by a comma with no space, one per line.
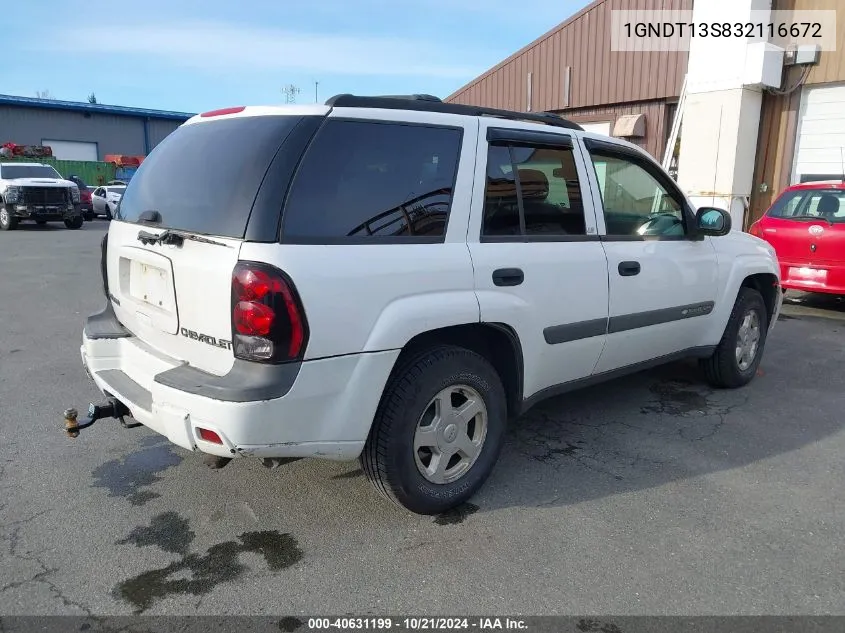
(812,217)
(173,238)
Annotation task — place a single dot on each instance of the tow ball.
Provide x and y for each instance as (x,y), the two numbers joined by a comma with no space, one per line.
(111,409)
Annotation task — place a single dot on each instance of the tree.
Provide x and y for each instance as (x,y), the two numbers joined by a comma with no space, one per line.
(92,98)
(44,94)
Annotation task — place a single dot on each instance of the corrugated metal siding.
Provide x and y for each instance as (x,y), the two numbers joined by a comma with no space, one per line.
(775,150)
(831,66)
(599,75)
(656,119)
(779,113)
(91,173)
(113,134)
(159,129)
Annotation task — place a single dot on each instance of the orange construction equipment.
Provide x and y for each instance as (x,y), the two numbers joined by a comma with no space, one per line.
(121,160)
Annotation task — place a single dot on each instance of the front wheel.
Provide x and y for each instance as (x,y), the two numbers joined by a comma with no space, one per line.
(438,430)
(74,222)
(735,361)
(7,222)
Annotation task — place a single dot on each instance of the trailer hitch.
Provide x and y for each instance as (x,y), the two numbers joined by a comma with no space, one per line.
(112,409)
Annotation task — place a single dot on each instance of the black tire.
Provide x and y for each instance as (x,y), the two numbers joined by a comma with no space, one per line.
(75,222)
(723,369)
(89,216)
(7,221)
(389,459)
(108,213)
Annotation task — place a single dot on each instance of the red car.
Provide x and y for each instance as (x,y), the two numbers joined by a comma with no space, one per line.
(806,227)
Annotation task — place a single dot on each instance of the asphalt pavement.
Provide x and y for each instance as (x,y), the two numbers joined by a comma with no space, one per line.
(652,494)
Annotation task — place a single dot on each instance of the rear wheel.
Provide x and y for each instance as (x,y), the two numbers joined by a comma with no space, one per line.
(74,222)
(735,361)
(89,216)
(438,430)
(7,222)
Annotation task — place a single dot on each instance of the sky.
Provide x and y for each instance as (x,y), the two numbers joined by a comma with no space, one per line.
(194,55)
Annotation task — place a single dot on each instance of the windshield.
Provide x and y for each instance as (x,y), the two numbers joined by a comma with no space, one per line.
(11,172)
(204,177)
(810,204)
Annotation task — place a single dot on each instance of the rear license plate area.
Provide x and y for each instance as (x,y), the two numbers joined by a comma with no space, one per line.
(807,274)
(150,285)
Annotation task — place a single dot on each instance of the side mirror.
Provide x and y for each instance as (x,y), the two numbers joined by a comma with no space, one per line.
(712,221)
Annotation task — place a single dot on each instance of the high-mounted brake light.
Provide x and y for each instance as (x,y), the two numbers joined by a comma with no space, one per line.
(223,111)
(268,321)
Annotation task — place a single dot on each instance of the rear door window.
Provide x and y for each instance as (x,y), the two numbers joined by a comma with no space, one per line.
(547,202)
(374,181)
(204,177)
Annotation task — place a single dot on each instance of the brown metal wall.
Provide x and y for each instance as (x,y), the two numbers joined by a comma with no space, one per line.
(831,65)
(599,76)
(657,119)
(779,114)
(775,150)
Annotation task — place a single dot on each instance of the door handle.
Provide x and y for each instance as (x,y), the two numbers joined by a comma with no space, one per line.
(508,276)
(629,269)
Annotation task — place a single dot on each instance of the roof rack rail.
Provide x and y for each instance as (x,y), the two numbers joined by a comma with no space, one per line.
(429,103)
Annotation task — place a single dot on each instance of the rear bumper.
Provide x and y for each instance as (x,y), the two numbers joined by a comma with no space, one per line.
(826,277)
(326,410)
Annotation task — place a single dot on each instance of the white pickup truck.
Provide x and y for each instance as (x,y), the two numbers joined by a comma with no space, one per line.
(393,279)
(37,193)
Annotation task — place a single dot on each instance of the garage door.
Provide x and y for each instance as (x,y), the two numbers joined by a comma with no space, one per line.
(602,127)
(72,150)
(820,152)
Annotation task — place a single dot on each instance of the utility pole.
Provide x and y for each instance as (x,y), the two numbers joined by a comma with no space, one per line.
(316,98)
(290,93)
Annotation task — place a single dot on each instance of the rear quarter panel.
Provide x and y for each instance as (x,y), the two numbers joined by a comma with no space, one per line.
(374,297)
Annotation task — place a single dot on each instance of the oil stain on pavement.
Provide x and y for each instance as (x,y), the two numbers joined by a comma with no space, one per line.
(127,477)
(676,397)
(166,531)
(197,574)
(290,624)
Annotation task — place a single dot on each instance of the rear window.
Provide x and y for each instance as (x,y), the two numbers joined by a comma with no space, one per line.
(374,181)
(204,177)
(810,204)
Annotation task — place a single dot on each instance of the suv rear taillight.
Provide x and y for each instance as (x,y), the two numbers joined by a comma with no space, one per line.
(754,230)
(268,321)
(104,260)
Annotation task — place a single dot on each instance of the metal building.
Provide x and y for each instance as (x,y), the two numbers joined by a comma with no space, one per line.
(571,68)
(797,131)
(84,131)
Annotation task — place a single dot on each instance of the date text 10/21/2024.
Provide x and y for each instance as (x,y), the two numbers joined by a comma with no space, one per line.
(417,624)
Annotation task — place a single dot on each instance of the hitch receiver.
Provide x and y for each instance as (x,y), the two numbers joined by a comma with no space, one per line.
(112,409)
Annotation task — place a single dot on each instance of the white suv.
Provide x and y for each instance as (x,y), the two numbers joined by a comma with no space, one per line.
(393,278)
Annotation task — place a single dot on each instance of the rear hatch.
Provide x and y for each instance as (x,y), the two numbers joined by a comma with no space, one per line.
(806,227)
(178,230)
